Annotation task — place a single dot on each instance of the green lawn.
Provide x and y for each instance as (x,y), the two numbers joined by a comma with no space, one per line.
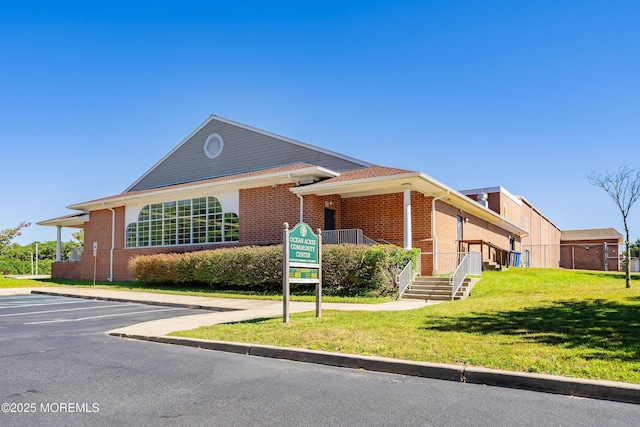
(572,323)
(305,294)
(6,282)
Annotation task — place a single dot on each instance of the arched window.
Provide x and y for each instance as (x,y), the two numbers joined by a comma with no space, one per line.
(182,222)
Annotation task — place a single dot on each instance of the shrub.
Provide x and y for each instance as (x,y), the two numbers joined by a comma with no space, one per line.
(348,270)
(10,265)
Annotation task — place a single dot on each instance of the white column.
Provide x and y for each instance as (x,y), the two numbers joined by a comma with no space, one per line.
(59,244)
(407,217)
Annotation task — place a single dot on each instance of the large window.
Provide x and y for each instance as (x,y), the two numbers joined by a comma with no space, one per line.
(182,222)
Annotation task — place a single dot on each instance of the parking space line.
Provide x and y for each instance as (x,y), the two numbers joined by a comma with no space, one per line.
(103,316)
(45,303)
(62,310)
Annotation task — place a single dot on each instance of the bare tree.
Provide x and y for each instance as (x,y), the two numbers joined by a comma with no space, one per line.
(624,189)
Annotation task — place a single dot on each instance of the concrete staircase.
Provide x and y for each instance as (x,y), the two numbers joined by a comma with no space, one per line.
(437,289)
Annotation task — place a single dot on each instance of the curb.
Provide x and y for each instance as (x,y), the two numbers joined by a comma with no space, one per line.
(135,301)
(595,389)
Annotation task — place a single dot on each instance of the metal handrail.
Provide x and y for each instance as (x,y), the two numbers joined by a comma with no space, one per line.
(405,278)
(471,265)
(408,275)
(353,235)
(444,263)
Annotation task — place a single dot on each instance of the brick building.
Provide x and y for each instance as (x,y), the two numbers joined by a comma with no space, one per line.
(591,249)
(228,184)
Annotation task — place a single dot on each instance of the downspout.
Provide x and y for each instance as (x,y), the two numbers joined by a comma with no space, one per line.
(433,231)
(113,240)
(407,217)
(297,183)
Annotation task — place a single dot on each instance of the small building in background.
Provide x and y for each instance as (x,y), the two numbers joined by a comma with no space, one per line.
(591,249)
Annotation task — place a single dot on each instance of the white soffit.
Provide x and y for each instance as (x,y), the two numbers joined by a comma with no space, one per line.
(417,181)
(190,190)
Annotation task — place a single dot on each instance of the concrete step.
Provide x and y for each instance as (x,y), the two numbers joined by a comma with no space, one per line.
(431,297)
(433,289)
(437,289)
(492,266)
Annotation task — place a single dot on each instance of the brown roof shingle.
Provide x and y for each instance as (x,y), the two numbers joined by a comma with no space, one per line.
(364,173)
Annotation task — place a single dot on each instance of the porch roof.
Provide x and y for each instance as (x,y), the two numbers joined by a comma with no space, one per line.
(74,220)
(381,180)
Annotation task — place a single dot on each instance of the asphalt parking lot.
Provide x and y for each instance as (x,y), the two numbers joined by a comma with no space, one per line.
(59,367)
(29,310)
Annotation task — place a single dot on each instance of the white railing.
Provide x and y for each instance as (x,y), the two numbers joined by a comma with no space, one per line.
(405,278)
(408,275)
(443,263)
(471,265)
(353,236)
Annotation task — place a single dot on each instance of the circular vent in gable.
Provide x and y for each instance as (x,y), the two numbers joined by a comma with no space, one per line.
(213,146)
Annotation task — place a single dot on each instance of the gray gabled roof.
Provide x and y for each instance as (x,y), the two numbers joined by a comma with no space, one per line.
(245,148)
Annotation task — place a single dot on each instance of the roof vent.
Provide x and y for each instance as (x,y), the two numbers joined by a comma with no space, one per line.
(483,199)
(213,146)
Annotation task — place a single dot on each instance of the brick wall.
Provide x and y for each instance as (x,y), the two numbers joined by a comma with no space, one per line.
(381,218)
(590,255)
(543,241)
(263,211)
(98,229)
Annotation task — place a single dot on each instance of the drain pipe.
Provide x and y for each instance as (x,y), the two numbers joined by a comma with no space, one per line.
(113,239)
(297,183)
(433,231)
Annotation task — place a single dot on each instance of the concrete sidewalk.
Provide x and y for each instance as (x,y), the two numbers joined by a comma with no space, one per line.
(225,310)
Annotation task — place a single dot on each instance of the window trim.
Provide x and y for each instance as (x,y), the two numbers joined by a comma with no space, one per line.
(154,215)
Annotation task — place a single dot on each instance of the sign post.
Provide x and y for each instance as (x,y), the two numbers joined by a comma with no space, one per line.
(301,263)
(95,253)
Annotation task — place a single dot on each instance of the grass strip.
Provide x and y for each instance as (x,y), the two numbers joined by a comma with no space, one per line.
(304,294)
(560,322)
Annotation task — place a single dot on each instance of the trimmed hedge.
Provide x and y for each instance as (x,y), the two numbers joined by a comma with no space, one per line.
(348,270)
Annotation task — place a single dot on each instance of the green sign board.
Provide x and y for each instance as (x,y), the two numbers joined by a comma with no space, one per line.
(303,245)
(301,262)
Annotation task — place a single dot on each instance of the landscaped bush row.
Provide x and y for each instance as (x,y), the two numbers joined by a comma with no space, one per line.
(348,270)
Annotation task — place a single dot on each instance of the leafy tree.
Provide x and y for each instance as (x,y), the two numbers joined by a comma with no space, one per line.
(78,236)
(635,249)
(624,189)
(46,250)
(635,252)
(8,234)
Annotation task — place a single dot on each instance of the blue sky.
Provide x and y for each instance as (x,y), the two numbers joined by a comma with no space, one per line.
(531,96)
